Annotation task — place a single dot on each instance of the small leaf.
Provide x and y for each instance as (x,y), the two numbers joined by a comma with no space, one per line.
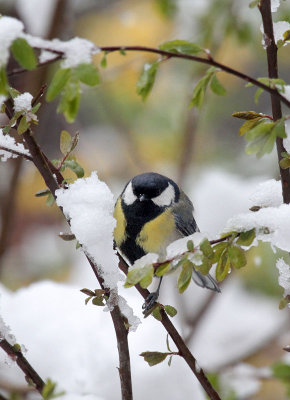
(171,311)
(58,82)
(246,238)
(146,80)
(162,269)
(43,192)
(23,53)
(281,371)
(167,8)
(147,278)
(65,142)
(135,275)
(185,276)
(157,313)
(218,249)
(217,87)
(200,88)
(98,301)
(254,3)
(70,100)
(258,93)
(153,357)
(48,390)
(285,163)
(206,265)
(104,61)
(167,343)
(223,266)
(206,248)
(87,74)
(67,237)
(279,128)
(247,115)
(88,292)
(286,36)
(250,124)
(50,200)
(190,245)
(237,256)
(181,46)
(75,167)
(3,82)
(169,361)
(23,125)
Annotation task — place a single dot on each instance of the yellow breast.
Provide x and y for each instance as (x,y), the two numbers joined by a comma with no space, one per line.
(157,234)
(120,229)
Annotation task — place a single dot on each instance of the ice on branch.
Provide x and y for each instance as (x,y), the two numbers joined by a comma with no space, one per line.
(268,194)
(76,51)
(272,225)
(128,313)
(23,102)
(8,142)
(10,29)
(284,276)
(280,28)
(88,204)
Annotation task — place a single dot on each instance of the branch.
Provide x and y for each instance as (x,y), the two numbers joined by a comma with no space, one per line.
(45,168)
(23,364)
(168,55)
(271,49)
(17,153)
(177,339)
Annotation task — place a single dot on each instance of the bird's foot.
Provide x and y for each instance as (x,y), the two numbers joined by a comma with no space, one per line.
(150,301)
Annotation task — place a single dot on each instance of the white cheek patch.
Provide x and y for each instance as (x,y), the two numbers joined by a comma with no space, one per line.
(166,197)
(128,195)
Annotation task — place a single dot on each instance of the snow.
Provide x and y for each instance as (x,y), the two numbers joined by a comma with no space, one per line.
(5,331)
(284,276)
(76,51)
(267,194)
(88,204)
(8,142)
(23,102)
(275,4)
(10,29)
(286,141)
(44,10)
(279,27)
(272,225)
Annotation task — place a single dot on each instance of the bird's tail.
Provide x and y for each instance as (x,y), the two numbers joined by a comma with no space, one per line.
(205,281)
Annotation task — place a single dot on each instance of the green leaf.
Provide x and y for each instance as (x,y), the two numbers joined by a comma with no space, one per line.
(237,257)
(258,93)
(162,269)
(247,115)
(223,266)
(286,36)
(3,82)
(70,100)
(104,61)
(43,192)
(217,87)
(185,276)
(98,301)
(246,238)
(281,371)
(146,80)
(199,91)
(218,250)
(135,275)
(171,311)
(156,313)
(250,124)
(279,128)
(285,163)
(206,265)
(87,74)
(50,200)
(147,279)
(167,8)
(284,302)
(181,46)
(23,125)
(167,343)
(75,167)
(190,245)
(65,142)
(58,83)
(23,53)
(206,248)
(153,357)
(254,3)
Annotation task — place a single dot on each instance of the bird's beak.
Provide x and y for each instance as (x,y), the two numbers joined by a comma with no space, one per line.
(142,197)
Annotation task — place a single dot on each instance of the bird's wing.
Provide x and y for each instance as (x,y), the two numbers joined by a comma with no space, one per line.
(183,215)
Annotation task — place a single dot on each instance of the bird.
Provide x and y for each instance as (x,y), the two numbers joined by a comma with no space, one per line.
(152,212)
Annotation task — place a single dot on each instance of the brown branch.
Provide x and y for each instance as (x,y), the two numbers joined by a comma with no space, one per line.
(271,50)
(179,342)
(209,61)
(17,153)
(23,364)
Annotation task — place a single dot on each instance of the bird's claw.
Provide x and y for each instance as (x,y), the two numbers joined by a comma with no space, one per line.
(150,301)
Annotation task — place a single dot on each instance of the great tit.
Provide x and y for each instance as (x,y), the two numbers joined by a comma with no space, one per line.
(152,212)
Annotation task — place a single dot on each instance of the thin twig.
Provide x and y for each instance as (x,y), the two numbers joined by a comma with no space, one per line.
(23,364)
(179,342)
(271,49)
(17,153)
